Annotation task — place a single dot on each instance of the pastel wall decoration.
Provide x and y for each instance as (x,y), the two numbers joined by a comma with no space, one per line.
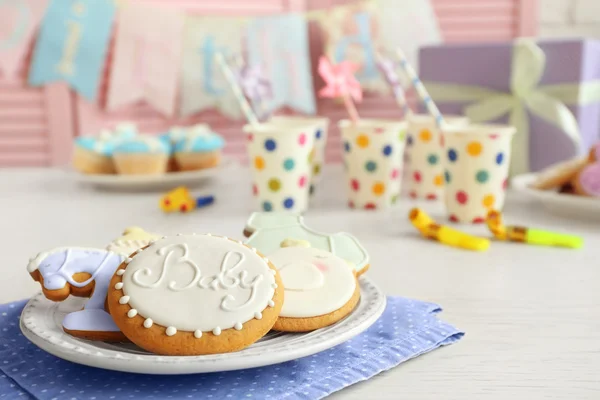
(203,86)
(354,34)
(72,44)
(18,22)
(279,44)
(146,58)
(408,25)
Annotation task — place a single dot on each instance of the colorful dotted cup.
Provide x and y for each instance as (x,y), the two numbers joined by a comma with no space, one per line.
(373,156)
(424,153)
(320,133)
(477,159)
(281,159)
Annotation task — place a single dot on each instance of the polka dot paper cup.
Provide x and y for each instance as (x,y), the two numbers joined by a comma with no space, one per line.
(477,160)
(281,159)
(373,156)
(424,151)
(320,133)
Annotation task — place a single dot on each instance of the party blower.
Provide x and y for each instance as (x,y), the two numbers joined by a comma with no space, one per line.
(528,235)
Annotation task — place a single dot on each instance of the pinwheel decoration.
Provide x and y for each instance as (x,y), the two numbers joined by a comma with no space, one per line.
(340,82)
(255,86)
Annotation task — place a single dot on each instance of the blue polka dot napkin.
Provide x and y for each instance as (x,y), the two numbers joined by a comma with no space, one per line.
(407,329)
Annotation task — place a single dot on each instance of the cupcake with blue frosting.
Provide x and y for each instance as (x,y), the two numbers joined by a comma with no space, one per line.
(142,155)
(93,155)
(198,148)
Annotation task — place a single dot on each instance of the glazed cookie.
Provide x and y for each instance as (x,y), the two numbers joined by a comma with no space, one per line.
(195,294)
(559,174)
(133,238)
(267,230)
(320,288)
(587,180)
(83,273)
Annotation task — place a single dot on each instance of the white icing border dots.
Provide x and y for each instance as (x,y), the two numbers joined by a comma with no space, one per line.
(171,330)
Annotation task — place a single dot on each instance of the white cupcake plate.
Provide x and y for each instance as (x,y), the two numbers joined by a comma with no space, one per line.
(41,323)
(153,182)
(567,205)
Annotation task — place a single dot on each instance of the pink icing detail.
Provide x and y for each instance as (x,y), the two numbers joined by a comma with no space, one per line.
(379,130)
(590,180)
(395,173)
(320,266)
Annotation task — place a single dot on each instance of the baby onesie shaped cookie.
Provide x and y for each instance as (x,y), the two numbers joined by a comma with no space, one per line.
(195,294)
(320,288)
(267,230)
(79,272)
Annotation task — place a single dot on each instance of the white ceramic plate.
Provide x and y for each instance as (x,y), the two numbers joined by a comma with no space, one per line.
(41,323)
(561,204)
(152,182)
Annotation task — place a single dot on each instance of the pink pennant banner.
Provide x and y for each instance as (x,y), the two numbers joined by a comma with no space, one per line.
(18,22)
(146,60)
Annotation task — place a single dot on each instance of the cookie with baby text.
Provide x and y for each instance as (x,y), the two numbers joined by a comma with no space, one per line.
(80,272)
(320,288)
(195,294)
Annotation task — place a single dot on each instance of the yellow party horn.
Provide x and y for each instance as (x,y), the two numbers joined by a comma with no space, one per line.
(444,234)
(529,235)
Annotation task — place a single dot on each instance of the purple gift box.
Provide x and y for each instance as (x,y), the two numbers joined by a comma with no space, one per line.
(575,63)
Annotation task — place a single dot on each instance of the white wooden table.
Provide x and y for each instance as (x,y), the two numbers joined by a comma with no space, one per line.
(532,315)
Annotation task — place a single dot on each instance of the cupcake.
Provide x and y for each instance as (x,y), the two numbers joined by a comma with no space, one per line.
(200,148)
(172,136)
(142,155)
(93,155)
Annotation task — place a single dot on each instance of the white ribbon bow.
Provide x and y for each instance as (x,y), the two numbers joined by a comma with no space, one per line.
(547,102)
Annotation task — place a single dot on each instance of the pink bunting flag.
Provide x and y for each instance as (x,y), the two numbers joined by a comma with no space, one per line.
(18,22)
(147,57)
(340,82)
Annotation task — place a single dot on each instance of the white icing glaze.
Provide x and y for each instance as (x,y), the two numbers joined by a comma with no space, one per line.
(258,315)
(148,323)
(120,272)
(124,300)
(57,268)
(132,313)
(197,333)
(316,282)
(171,330)
(119,285)
(238,326)
(127,247)
(216,331)
(172,277)
(271,303)
(269,229)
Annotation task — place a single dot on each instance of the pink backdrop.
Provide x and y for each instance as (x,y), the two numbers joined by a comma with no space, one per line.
(37,125)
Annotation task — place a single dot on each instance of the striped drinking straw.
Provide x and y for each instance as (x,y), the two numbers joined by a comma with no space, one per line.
(388,70)
(420,88)
(237,91)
